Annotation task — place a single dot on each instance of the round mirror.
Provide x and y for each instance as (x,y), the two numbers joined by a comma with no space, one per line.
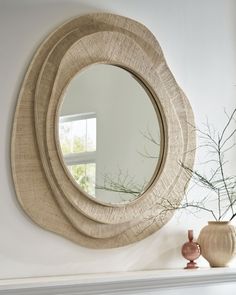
(109,134)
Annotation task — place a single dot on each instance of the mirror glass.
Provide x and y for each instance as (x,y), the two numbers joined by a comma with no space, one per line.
(109,134)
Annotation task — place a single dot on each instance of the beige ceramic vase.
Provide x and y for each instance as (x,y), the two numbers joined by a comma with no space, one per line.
(218,243)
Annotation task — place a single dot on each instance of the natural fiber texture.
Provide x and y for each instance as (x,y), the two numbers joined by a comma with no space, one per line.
(43,186)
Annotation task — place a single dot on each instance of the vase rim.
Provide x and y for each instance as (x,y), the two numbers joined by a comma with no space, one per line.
(218,222)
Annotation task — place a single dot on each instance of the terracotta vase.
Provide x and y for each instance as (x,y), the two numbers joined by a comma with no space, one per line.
(218,243)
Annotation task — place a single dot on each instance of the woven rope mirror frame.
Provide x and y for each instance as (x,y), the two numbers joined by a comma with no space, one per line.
(43,187)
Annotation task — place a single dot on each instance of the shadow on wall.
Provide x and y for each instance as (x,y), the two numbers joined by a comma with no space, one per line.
(168,249)
(165,251)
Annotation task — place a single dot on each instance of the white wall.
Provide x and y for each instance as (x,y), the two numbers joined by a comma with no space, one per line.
(199,41)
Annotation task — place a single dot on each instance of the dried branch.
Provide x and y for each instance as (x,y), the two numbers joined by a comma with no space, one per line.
(220,184)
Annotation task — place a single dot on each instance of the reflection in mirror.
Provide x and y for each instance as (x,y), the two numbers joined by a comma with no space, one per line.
(109,134)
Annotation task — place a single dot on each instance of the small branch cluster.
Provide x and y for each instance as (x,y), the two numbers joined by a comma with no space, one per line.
(147,135)
(122,184)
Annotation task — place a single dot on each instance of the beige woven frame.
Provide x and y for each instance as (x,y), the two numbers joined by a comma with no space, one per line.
(43,187)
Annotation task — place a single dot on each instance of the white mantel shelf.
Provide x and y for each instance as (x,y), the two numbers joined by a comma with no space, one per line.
(118,283)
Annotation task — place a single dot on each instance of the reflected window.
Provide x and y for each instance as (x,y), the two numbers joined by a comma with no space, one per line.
(77,135)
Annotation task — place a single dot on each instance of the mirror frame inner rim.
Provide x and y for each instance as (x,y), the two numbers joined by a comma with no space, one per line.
(160,120)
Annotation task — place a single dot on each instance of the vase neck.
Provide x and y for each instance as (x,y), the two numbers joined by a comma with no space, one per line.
(190,235)
(218,222)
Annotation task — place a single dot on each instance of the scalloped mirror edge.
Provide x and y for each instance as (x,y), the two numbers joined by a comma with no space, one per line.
(43,189)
